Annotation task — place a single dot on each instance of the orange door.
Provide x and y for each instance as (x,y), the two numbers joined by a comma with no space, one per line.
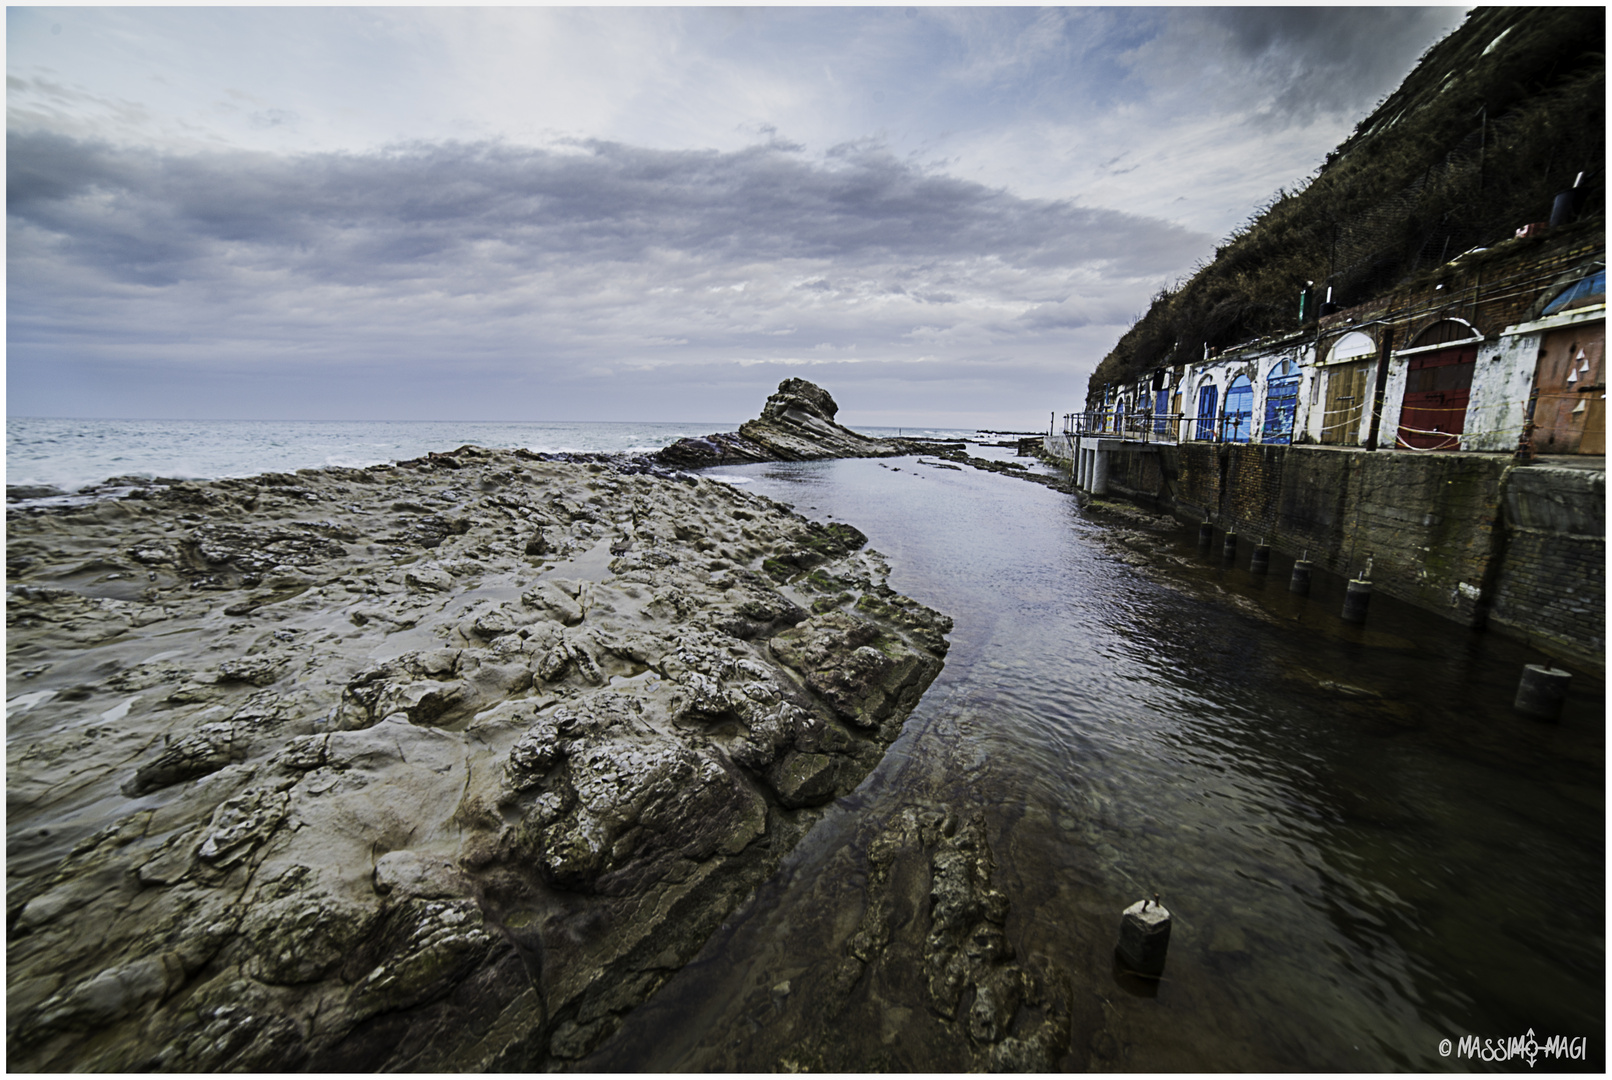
(1570,413)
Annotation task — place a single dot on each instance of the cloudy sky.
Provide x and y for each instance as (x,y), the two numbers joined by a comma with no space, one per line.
(943,215)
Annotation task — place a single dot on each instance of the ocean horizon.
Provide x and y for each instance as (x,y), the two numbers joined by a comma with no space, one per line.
(71,454)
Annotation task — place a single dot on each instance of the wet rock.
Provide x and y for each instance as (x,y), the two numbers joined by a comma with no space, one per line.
(108,996)
(428,579)
(636,804)
(429,816)
(427,945)
(804,779)
(257,670)
(428,877)
(928,628)
(299,934)
(22,492)
(241,824)
(231,1037)
(548,598)
(862,672)
(212,747)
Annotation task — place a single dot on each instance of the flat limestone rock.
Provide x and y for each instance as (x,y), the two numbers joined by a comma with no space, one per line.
(345,771)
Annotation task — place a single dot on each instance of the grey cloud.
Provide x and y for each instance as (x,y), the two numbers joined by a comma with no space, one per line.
(421,205)
(553,264)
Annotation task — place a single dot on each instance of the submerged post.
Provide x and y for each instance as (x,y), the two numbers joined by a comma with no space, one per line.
(1542,691)
(1261,562)
(1144,937)
(1229,548)
(1356,599)
(1300,582)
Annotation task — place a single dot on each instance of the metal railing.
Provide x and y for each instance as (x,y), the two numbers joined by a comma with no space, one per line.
(1146,426)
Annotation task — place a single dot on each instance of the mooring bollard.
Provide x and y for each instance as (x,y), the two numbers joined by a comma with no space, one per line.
(1144,937)
(1300,582)
(1206,534)
(1356,599)
(1542,691)
(1261,562)
(1230,548)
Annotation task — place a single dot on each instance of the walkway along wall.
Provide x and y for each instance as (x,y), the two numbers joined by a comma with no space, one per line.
(1472,537)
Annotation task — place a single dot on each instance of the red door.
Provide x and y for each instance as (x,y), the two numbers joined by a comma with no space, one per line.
(1437,388)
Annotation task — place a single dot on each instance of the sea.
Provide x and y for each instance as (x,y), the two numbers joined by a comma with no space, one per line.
(72,454)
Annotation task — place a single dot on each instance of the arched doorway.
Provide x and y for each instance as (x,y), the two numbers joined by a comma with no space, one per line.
(1208,403)
(1348,372)
(1281,403)
(1438,386)
(1239,422)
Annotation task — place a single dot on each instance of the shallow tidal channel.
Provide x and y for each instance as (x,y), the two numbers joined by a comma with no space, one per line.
(1364,849)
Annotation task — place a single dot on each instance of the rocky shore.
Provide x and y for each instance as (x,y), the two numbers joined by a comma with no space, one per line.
(437,766)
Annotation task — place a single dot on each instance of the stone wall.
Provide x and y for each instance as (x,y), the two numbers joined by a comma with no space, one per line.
(1470,537)
(1550,585)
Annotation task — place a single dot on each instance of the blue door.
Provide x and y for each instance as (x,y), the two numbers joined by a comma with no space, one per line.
(1239,410)
(1281,403)
(1208,401)
(1161,405)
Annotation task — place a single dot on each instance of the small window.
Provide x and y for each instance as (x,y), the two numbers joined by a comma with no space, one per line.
(1582,293)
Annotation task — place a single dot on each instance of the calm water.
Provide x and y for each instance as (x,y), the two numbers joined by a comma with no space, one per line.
(1355,873)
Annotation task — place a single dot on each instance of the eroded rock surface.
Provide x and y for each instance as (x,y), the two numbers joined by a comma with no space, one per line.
(796,424)
(441,766)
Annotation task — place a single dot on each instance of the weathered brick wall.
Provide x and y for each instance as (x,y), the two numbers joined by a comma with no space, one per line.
(1551,582)
(1251,495)
(1505,284)
(1192,473)
(1136,473)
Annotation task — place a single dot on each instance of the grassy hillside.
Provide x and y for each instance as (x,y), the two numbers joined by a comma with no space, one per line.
(1493,122)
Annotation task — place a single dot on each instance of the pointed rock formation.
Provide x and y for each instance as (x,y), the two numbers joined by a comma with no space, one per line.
(796,424)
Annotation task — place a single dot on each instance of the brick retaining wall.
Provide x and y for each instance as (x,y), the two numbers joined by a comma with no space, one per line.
(1468,536)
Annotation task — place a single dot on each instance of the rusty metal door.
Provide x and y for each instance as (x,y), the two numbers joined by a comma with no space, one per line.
(1570,414)
(1346,402)
(1438,387)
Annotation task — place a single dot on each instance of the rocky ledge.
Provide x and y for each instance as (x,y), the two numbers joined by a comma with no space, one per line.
(442,766)
(796,424)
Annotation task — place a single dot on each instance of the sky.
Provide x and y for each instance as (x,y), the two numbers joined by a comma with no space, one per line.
(943,215)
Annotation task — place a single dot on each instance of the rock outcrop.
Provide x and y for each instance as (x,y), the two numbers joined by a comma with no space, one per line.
(796,424)
(442,766)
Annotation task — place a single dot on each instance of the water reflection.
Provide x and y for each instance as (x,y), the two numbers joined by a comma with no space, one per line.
(1364,849)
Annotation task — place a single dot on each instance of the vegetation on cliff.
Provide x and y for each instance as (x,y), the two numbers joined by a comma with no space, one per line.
(1493,122)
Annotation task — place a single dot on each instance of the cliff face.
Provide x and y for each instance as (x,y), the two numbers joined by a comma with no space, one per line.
(796,424)
(1494,121)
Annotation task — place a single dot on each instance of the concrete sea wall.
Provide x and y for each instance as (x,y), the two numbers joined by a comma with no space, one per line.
(1472,537)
